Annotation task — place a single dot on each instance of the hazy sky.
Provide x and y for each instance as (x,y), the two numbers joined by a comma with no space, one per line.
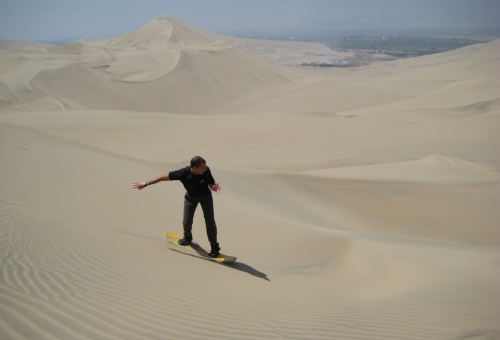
(72,19)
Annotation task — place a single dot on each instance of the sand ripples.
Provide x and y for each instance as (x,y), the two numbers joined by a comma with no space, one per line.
(94,283)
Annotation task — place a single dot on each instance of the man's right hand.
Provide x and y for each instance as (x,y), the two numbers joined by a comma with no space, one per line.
(138,185)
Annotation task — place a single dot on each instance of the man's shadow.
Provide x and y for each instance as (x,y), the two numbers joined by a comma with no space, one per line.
(234,265)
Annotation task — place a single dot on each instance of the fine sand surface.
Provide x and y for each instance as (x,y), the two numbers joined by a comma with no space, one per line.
(361,203)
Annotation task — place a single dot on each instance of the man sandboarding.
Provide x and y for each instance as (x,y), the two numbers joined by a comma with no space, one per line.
(198,181)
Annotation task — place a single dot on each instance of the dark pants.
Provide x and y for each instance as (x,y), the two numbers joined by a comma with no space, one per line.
(207,205)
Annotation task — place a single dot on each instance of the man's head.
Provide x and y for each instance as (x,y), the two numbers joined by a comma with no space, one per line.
(198,165)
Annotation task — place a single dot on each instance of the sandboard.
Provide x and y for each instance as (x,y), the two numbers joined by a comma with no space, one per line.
(174,238)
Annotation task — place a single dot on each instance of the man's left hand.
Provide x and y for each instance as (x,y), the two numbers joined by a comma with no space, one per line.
(216,187)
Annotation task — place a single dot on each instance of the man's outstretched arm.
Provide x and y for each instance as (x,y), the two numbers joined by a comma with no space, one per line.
(142,185)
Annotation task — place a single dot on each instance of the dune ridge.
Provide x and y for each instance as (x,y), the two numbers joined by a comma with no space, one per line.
(431,169)
(361,203)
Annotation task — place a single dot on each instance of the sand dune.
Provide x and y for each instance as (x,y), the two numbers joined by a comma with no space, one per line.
(361,203)
(165,56)
(448,80)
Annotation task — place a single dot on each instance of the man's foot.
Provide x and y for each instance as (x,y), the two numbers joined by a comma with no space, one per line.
(184,242)
(214,253)
(215,250)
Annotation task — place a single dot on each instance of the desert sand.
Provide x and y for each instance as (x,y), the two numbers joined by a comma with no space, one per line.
(361,203)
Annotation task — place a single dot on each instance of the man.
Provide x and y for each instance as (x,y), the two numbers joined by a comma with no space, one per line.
(198,181)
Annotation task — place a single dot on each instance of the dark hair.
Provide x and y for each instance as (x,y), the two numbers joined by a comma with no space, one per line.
(196,161)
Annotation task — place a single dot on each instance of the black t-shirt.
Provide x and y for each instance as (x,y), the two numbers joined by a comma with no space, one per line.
(196,185)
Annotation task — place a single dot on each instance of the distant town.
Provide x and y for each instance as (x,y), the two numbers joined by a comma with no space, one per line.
(383,45)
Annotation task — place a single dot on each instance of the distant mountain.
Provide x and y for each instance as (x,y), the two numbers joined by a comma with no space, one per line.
(164,31)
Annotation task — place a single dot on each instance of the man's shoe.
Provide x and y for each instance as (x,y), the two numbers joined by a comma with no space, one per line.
(214,253)
(184,242)
(215,250)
